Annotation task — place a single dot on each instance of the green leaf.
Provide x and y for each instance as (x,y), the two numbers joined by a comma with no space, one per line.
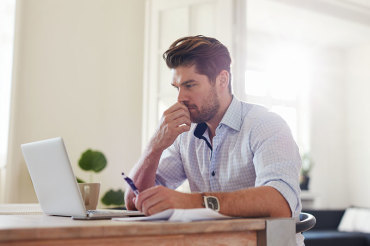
(92,161)
(112,197)
(80,180)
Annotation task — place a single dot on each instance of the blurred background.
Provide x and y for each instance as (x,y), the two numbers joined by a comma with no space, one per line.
(91,72)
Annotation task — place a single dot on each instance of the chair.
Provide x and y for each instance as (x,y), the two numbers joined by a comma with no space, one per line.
(305,223)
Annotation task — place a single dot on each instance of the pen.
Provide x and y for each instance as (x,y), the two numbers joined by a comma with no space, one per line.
(131,184)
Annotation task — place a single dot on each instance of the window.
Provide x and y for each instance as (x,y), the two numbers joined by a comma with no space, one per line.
(7,13)
(278,64)
(279,82)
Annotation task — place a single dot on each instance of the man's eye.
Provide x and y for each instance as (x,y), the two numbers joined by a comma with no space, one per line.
(189,85)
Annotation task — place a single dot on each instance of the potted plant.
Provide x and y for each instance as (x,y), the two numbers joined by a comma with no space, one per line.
(94,161)
(307,164)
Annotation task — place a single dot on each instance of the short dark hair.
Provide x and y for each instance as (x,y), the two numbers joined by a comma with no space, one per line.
(208,55)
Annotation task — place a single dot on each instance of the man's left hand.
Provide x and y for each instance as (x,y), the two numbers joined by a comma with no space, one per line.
(160,198)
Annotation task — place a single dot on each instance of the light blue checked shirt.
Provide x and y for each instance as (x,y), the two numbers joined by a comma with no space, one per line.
(252,147)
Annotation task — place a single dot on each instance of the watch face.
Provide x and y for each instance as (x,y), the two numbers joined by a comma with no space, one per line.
(212,203)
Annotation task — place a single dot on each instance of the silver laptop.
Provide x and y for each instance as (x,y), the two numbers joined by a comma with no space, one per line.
(55,184)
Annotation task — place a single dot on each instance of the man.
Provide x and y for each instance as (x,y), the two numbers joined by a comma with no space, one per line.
(239,158)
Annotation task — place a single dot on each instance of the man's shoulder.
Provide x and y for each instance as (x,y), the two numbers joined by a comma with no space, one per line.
(257,115)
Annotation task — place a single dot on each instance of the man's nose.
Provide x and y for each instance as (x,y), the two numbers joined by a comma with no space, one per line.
(181,97)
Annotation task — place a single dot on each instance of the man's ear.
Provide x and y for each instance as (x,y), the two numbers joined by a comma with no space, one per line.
(224,79)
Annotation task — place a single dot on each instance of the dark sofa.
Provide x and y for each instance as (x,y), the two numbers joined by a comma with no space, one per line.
(325,232)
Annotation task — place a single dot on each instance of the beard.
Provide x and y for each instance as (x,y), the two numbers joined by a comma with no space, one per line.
(209,108)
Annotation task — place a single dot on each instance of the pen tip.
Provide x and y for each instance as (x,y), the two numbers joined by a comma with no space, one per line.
(123,173)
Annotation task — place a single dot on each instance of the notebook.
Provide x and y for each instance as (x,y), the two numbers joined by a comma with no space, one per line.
(55,183)
(181,215)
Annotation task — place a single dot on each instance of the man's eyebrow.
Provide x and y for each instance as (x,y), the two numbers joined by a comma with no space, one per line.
(183,83)
(187,82)
(174,85)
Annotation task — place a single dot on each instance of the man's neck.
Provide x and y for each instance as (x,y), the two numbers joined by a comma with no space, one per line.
(215,121)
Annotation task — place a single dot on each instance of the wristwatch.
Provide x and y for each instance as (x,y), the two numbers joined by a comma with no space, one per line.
(211,202)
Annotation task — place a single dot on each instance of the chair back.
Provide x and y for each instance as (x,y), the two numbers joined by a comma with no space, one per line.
(305,223)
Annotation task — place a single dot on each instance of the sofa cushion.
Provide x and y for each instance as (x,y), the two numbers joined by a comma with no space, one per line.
(334,238)
(355,220)
(326,219)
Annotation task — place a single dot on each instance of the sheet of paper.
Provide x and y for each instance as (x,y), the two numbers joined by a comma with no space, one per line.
(180,215)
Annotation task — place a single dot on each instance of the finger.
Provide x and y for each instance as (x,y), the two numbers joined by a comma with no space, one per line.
(177,114)
(182,128)
(159,201)
(136,202)
(175,107)
(151,202)
(158,207)
(140,199)
(166,199)
(180,121)
(144,195)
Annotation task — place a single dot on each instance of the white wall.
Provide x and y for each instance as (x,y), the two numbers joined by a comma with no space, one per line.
(329,178)
(78,69)
(340,130)
(358,139)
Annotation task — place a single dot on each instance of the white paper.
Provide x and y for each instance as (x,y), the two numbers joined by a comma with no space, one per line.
(180,215)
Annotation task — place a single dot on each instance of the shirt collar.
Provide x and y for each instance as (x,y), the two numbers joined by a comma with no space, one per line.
(200,129)
(232,118)
(233,115)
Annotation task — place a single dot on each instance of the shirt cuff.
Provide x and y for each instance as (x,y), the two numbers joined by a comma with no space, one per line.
(289,194)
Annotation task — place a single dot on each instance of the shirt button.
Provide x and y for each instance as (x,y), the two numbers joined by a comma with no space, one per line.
(213,173)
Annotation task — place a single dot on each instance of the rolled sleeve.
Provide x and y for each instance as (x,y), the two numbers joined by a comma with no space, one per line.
(288,193)
(277,161)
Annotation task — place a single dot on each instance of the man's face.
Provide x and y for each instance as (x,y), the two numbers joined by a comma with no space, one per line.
(196,92)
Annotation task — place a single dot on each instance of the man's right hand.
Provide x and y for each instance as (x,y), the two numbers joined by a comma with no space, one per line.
(174,121)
